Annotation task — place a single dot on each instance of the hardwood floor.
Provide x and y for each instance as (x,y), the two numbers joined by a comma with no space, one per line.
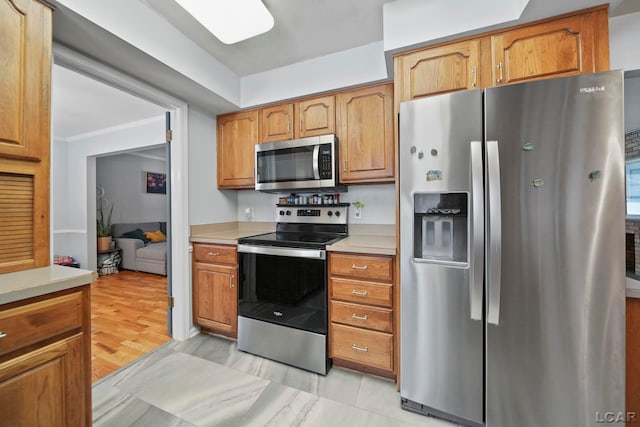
(128,319)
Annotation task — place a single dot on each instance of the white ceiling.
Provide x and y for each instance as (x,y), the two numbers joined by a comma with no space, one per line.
(303,29)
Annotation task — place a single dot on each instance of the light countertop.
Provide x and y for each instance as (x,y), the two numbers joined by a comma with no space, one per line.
(633,288)
(366,244)
(25,284)
(366,238)
(228,233)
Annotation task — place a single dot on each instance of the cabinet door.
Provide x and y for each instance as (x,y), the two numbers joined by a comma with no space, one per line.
(237,137)
(633,355)
(215,297)
(365,134)
(25,55)
(276,123)
(316,116)
(45,387)
(562,47)
(438,70)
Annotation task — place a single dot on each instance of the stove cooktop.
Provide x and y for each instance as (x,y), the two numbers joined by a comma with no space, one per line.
(293,239)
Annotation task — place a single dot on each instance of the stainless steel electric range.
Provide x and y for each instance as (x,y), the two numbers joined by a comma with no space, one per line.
(282,294)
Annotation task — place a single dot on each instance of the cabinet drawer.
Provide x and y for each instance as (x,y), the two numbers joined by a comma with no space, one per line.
(31,323)
(361,292)
(362,316)
(215,253)
(374,349)
(371,267)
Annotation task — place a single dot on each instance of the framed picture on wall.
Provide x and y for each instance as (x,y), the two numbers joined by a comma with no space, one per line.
(155,182)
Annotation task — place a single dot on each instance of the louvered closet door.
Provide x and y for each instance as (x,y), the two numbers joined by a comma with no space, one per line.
(24,215)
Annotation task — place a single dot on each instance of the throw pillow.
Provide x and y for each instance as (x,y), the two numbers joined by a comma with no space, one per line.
(155,236)
(136,234)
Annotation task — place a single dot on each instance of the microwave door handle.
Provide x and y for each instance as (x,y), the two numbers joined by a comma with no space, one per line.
(316,160)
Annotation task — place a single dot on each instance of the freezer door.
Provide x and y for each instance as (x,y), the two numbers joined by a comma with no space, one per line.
(441,356)
(555,252)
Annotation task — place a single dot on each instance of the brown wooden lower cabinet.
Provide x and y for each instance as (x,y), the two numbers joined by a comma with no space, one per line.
(215,295)
(362,331)
(633,356)
(45,361)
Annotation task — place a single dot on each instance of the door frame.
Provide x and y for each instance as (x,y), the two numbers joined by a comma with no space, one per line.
(180,271)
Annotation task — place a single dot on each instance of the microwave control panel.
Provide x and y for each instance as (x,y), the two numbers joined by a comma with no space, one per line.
(324,159)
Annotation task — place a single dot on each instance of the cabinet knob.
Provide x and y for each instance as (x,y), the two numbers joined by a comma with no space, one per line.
(231,281)
(344,166)
(474,70)
(2,335)
(500,75)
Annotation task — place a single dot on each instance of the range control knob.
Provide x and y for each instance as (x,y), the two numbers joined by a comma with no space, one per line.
(288,213)
(330,213)
(281,213)
(337,213)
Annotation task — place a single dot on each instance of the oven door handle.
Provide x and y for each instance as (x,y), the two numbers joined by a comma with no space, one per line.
(278,251)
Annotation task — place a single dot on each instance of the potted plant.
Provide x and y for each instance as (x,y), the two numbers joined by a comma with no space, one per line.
(103,229)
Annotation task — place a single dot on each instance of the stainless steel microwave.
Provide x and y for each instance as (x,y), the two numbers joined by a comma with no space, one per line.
(298,164)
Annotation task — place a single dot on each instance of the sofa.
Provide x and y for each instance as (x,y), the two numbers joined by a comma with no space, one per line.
(137,255)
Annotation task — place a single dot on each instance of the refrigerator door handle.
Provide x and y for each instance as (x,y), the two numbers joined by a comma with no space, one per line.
(494,234)
(477,231)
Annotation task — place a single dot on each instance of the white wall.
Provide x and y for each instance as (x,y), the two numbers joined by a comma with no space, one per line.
(122,177)
(379,204)
(77,235)
(624,42)
(350,67)
(207,204)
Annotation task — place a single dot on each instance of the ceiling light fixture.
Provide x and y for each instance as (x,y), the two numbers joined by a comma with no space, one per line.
(230,21)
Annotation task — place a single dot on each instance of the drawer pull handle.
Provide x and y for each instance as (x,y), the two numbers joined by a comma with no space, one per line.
(2,335)
(361,293)
(355,316)
(359,267)
(213,253)
(355,347)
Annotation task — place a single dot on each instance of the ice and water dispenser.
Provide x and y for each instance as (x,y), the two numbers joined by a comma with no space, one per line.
(440,227)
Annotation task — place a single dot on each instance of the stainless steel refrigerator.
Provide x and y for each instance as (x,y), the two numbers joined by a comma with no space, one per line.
(512,253)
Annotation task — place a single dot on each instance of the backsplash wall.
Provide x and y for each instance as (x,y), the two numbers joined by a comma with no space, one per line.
(379,204)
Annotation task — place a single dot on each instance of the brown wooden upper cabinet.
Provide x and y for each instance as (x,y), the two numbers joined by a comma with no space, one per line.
(25,82)
(365,134)
(443,69)
(236,140)
(276,123)
(300,119)
(561,47)
(571,44)
(25,55)
(316,116)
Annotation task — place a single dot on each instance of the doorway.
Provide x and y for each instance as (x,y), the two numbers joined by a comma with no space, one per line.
(74,227)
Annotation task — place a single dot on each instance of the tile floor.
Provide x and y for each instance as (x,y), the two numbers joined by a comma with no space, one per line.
(206,381)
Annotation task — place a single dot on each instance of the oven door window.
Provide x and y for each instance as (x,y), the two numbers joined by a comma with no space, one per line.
(284,290)
(284,165)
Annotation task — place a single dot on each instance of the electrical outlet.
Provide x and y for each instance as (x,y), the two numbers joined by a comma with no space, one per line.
(357,213)
(248,212)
